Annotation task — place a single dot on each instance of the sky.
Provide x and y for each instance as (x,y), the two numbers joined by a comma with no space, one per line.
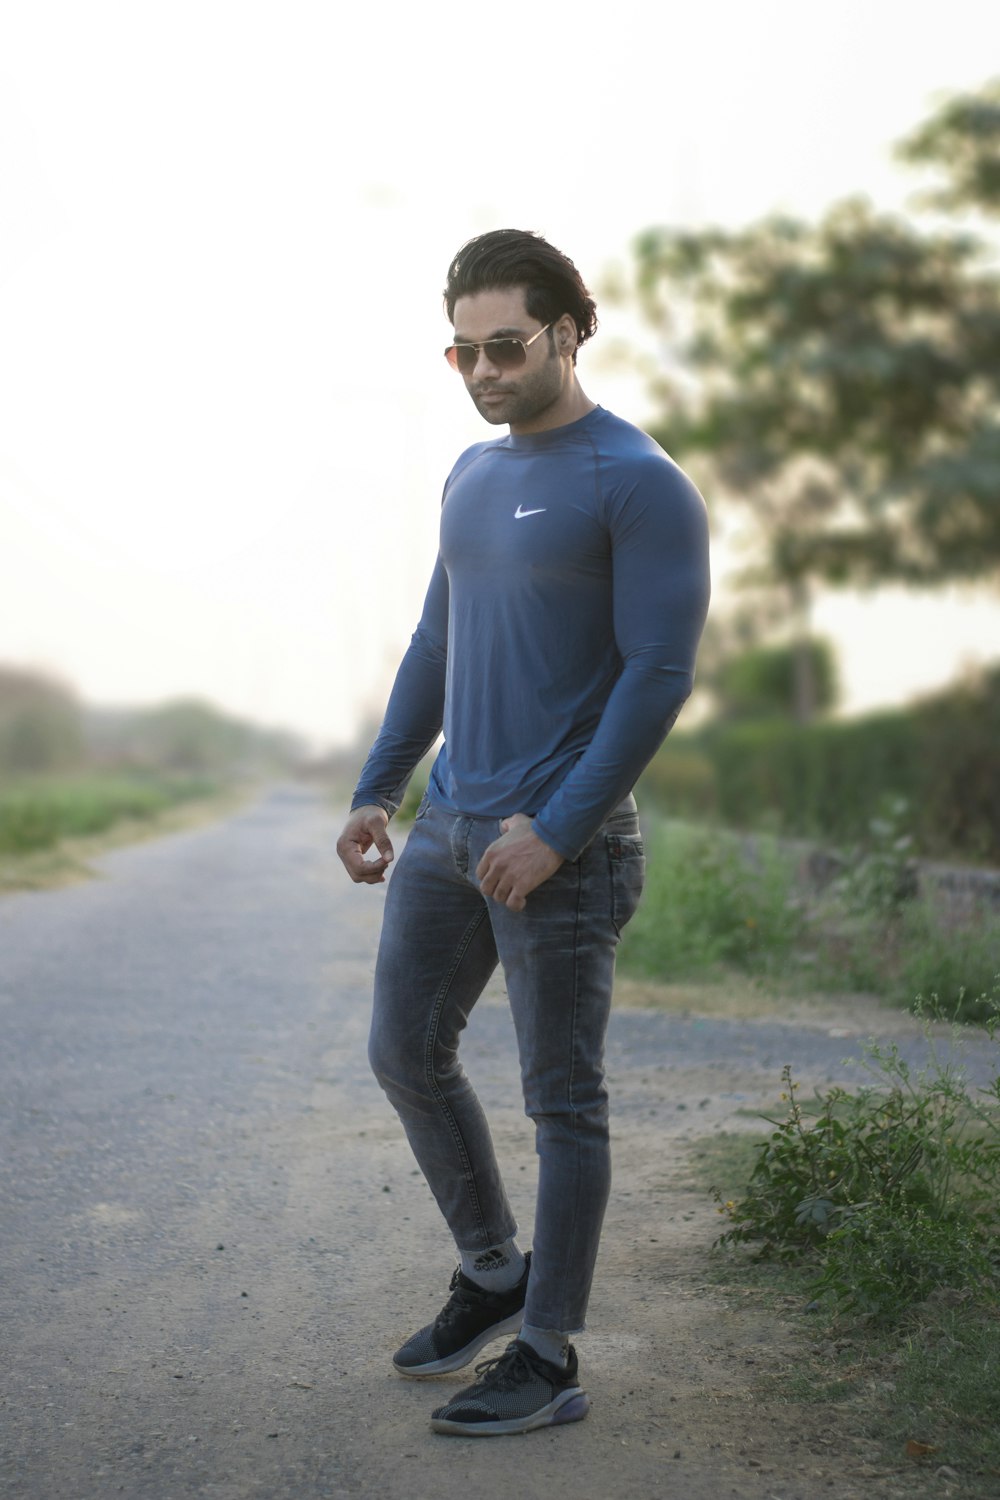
(224,229)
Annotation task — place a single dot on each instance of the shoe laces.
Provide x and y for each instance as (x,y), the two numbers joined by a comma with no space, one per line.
(457,1302)
(511,1368)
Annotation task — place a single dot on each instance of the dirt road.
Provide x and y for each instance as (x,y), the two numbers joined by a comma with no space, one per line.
(213,1236)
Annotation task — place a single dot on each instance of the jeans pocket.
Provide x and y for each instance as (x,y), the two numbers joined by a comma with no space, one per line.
(627,863)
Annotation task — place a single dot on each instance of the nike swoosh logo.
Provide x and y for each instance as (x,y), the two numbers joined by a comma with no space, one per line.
(519,514)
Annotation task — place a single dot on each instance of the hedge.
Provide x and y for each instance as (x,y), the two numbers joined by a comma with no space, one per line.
(828,779)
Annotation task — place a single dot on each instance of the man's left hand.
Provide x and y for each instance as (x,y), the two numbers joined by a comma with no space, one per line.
(516,863)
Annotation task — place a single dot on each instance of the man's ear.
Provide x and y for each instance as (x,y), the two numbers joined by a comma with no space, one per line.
(565,334)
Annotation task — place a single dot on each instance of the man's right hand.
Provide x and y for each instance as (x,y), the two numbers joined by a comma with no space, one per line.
(364,828)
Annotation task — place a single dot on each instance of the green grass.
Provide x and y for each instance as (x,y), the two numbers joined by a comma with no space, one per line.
(932,1376)
(93,814)
(879,1208)
(724,1161)
(708,905)
(37,813)
(945,1367)
(716,904)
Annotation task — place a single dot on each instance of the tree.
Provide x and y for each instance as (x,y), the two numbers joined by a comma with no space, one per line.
(963,139)
(190,735)
(761,683)
(41,727)
(848,375)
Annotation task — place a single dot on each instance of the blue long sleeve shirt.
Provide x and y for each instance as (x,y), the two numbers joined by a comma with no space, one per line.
(558,636)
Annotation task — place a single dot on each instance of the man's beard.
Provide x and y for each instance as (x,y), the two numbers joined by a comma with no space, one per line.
(523,402)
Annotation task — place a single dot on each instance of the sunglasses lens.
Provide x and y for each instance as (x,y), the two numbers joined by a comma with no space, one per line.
(506,354)
(509,354)
(462,357)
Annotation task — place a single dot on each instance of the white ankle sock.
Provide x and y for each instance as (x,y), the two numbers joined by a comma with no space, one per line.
(548,1342)
(497,1269)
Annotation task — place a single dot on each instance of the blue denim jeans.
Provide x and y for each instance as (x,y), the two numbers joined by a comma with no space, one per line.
(441,941)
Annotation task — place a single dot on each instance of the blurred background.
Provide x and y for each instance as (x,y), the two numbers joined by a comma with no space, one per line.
(225,420)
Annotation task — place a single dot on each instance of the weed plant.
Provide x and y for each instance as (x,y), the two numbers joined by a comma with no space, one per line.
(874,931)
(892,1192)
(716,902)
(931,1373)
(712,901)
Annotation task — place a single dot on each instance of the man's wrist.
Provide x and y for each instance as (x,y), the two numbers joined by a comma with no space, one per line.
(544,837)
(365,799)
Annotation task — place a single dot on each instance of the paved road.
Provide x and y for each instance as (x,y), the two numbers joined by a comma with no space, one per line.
(211,1232)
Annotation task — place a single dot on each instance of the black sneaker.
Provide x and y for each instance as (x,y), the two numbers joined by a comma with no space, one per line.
(469,1320)
(515,1393)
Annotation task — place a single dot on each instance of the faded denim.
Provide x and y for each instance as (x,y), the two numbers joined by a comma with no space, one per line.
(441,941)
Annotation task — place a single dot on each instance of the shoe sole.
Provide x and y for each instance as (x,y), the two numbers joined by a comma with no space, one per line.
(463,1357)
(569,1406)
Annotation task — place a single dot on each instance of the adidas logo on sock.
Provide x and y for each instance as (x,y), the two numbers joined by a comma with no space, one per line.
(491,1260)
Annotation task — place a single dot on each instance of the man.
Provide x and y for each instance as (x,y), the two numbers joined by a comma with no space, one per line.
(556,647)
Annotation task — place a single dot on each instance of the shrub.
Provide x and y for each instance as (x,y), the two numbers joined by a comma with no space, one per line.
(892,1190)
(828,780)
(820,780)
(716,900)
(954,963)
(710,902)
(762,682)
(680,782)
(880,1261)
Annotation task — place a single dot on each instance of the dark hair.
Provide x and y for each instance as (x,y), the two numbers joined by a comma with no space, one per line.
(519,257)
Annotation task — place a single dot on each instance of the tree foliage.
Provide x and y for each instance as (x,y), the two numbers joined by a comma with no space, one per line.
(762,683)
(188,734)
(44,729)
(41,727)
(848,372)
(963,139)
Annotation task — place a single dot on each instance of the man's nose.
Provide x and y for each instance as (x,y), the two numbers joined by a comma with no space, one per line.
(484,368)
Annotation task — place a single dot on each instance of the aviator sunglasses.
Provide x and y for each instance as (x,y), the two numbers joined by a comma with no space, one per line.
(506,354)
